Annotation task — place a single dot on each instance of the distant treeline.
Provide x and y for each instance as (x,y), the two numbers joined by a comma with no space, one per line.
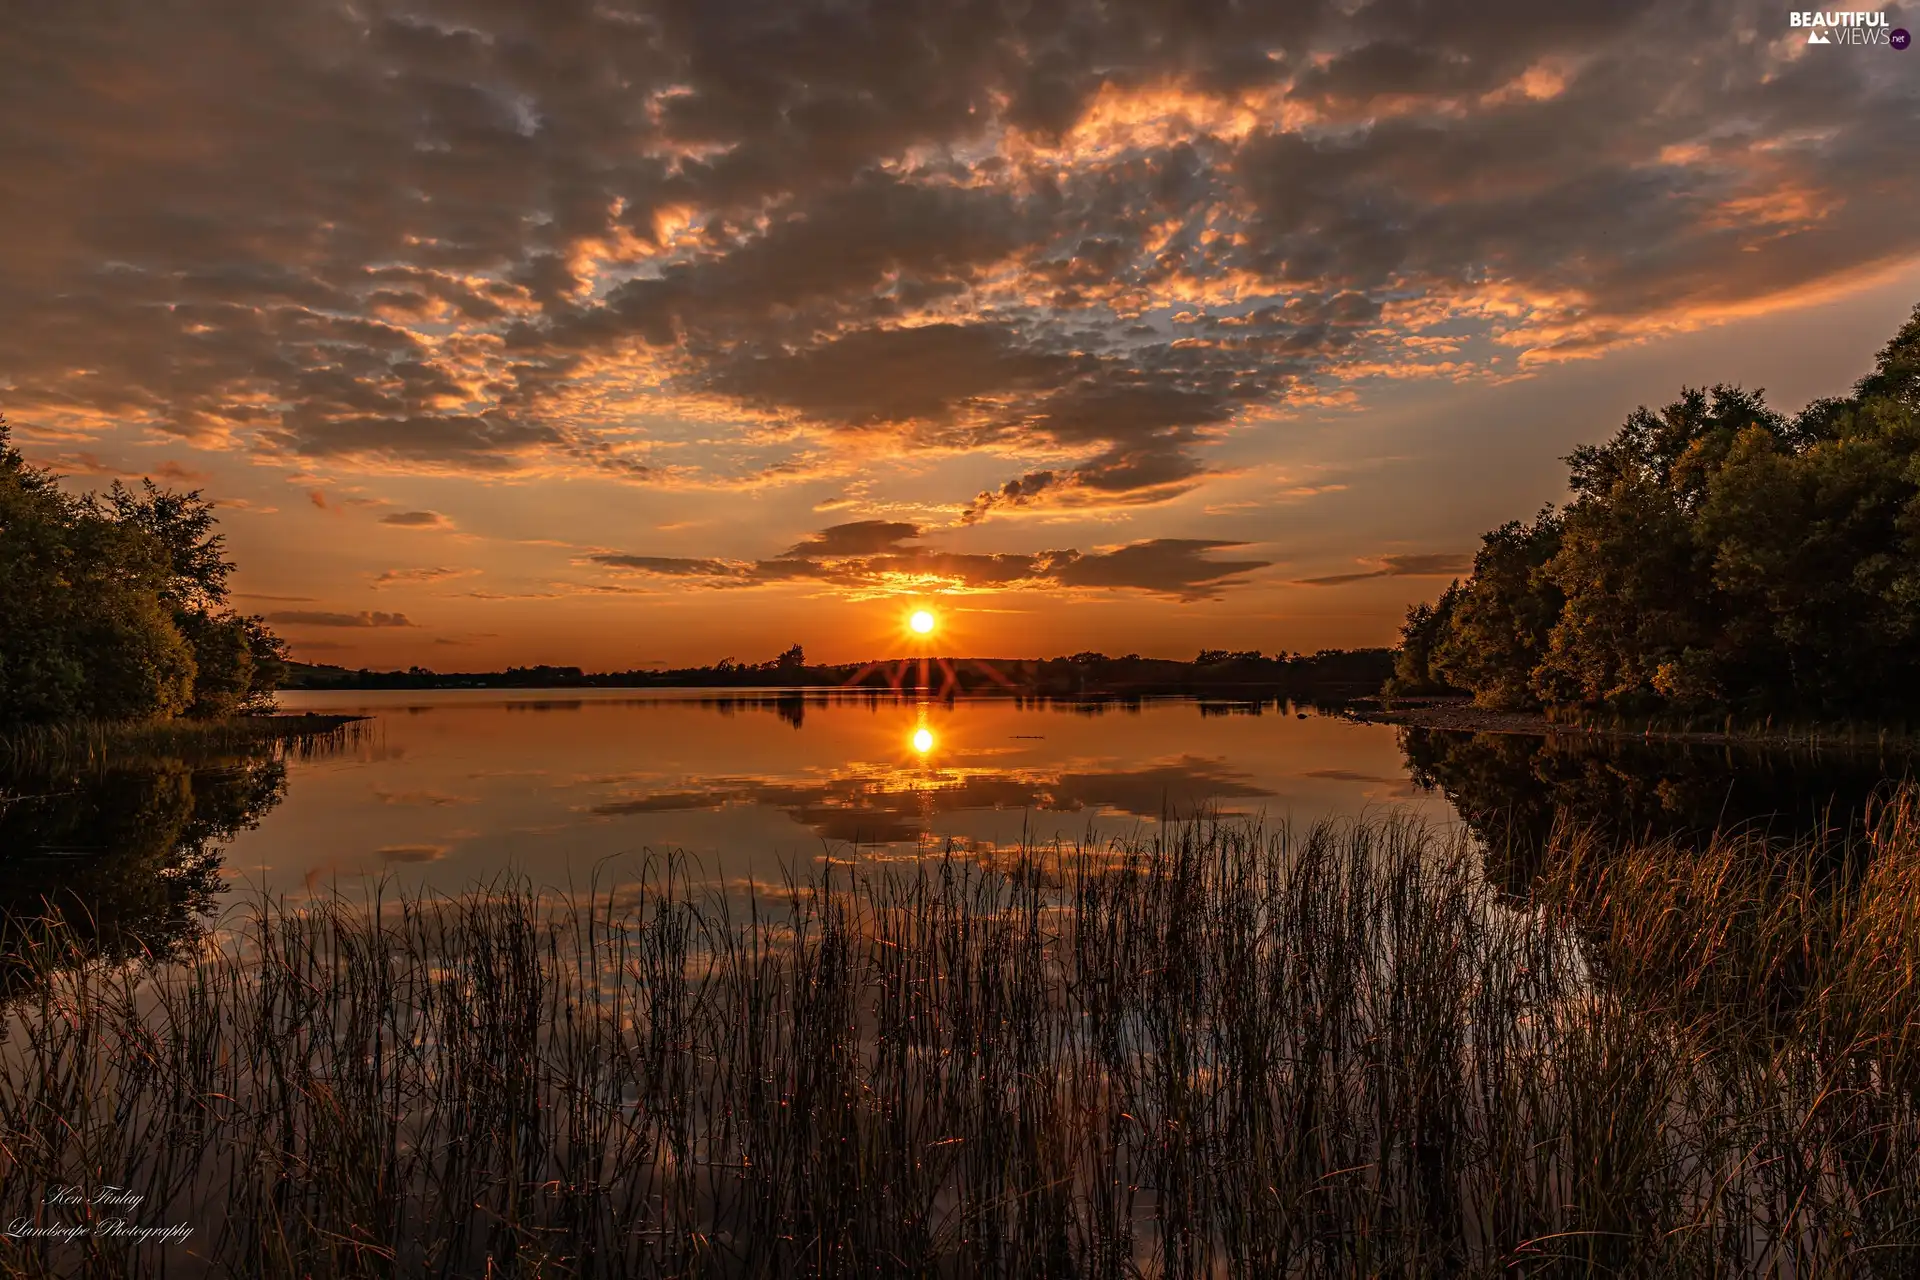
(114,606)
(1716,556)
(1330,673)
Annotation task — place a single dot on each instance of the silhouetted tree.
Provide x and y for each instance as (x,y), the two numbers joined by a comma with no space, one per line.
(1426,626)
(1716,556)
(1500,619)
(114,607)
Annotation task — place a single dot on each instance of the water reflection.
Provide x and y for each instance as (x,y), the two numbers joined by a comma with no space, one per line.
(130,857)
(463,786)
(879,804)
(444,790)
(1513,789)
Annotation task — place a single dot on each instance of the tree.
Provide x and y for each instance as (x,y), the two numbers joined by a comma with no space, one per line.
(113,607)
(183,525)
(238,661)
(1500,619)
(1716,556)
(1420,636)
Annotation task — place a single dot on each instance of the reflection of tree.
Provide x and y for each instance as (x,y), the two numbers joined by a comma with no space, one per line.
(1511,789)
(129,857)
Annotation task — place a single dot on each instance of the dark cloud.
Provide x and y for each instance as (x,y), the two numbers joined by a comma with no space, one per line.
(871,555)
(894,375)
(416,519)
(323,618)
(439,573)
(1086,237)
(668,566)
(857,538)
(1170,566)
(1423,565)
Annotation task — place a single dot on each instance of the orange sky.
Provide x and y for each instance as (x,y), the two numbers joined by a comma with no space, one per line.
(654,332)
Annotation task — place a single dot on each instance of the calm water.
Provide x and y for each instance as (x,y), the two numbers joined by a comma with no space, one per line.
(448,789)
(451,787)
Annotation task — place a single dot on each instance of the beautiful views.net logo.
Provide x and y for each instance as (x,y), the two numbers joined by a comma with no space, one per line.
(1850,28)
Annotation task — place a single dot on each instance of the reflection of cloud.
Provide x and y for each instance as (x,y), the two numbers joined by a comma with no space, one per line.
(1434,565)
(874,804)
(668,802)
(412,852)
(325,618)
(1348,775)
(437,799)
(872,555)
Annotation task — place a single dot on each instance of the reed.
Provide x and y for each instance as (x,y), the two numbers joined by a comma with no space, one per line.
(79,746)
(1235,1050)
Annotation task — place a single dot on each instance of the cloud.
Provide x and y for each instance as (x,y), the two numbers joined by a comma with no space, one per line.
(322,618)
(669,566)
(876,375)
(1081,239)
(1168,566)
(389,577)
(86,463)
(1423,565)
(872,556)
(417,520)
(858,538)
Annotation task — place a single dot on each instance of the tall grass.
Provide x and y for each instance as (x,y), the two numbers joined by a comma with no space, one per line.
(1234,1051)
(91,744)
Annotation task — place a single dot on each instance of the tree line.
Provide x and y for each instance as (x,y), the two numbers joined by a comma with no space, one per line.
(1331,674)
(1716,556)
(114,606)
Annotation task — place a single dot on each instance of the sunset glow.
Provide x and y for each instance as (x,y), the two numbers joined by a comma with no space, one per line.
(1325,468)
(506,335)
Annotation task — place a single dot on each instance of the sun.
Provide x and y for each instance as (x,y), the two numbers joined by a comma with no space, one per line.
(923,740)
(922,622)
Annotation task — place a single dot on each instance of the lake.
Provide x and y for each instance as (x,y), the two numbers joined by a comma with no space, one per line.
(1419,1035)
(447,789)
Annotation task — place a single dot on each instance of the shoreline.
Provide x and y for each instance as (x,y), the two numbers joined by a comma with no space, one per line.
(1461,716)
(64,746)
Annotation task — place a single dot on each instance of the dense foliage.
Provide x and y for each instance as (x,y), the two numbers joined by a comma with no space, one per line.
(114,607)
(1716,556)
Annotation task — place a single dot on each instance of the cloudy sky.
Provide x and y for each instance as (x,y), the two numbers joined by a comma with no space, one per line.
(620,332)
